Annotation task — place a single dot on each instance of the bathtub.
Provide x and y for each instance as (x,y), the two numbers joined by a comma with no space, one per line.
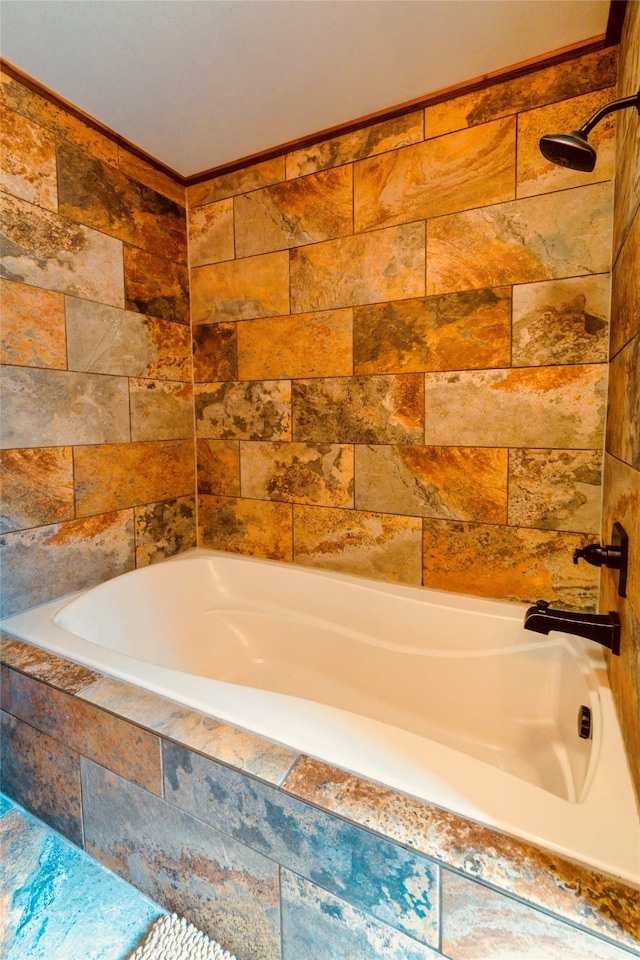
(443,697)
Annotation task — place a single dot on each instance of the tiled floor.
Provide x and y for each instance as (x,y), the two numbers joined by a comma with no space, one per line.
(58,903)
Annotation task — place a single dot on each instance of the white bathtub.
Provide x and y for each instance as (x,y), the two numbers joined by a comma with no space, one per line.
(443,697)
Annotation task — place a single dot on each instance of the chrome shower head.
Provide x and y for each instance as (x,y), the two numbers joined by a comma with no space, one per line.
(571,149)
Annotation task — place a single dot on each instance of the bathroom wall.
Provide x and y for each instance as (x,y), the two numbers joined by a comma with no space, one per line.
(400,346)
(97,413)
(622,454)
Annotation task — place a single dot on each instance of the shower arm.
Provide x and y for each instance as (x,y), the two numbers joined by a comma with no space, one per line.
(608,108)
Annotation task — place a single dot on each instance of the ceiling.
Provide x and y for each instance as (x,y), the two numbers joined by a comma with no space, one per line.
(201,83)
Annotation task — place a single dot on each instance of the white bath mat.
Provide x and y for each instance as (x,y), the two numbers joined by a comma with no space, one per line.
(172,938)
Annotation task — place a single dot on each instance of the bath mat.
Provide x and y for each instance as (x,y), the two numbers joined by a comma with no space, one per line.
(172,938)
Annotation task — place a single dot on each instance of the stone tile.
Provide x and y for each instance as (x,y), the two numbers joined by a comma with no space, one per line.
(561,321)
(28,160)
(321,474)
(215,352)
(5,690)
(43,775)
(623,419)
(538,175)
(240,181)
(56,671)
(103,339)
(95,194)
(256,528)
(227,890)
(33,330)
(137,169)
(160,410)
(319,925)
(241,289)
(508,563)
(255,410)
(45,408)
(456,331)
(37,487)
(51,891)
(116,744)
(164,529)
(625,291)
(627,174)
(556,235)
(306,210)
(47,562)
(365,142)
(114,476)
(218,465)
(571,78)
(358,542)
(620,503)
(455,483)
(383,265)
(156,286)
(305,345)
(528,407)
(56,119)
(237,748)
(211,233)
(480,924)
(46,250)
(555,489)
(469,168)
(595,901)
(383,409)
(382,879)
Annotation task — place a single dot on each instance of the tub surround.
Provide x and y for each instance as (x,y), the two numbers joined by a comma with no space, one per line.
(247,809)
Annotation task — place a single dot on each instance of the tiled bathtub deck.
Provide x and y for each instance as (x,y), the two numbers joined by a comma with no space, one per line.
(275,855)
(58,903)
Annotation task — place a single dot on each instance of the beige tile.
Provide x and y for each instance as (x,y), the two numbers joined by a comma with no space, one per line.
(255,410)
(455,331)
(47,250)
(525,407)
(255,528)
(560,234)
(211,233)
(37,487)
(218,465)
(241,181)
(366,142)
(555,489)
(160,410)
(56,671)
(138,169)
(458,483)
(470,168)
(28,160)
(382,409)
(366,544)
(383,265)
(164,529)
(306,210)
(320,474)
(508,563)
(538,175)
(625,290)
(623,413)
(561,321)
(305,345)
(33,328)
(241,289)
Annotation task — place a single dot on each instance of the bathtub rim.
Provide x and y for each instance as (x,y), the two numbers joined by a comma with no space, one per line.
(611,782)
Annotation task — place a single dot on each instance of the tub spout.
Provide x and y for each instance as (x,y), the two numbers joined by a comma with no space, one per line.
(604,628)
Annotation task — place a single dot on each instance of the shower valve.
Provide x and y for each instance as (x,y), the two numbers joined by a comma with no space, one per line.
(615,556)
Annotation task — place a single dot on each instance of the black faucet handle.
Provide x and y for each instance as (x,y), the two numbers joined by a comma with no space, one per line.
(599,556)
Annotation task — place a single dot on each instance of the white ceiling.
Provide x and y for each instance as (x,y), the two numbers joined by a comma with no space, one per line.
(200,83)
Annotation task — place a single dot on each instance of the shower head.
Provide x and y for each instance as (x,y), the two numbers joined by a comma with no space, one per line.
(572,149)
(569,150)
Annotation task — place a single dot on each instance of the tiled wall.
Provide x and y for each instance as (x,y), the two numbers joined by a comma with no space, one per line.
(278,856)
(622,454)
(400,346)
(97,409)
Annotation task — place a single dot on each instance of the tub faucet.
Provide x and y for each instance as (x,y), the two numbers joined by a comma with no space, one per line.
(604,628)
